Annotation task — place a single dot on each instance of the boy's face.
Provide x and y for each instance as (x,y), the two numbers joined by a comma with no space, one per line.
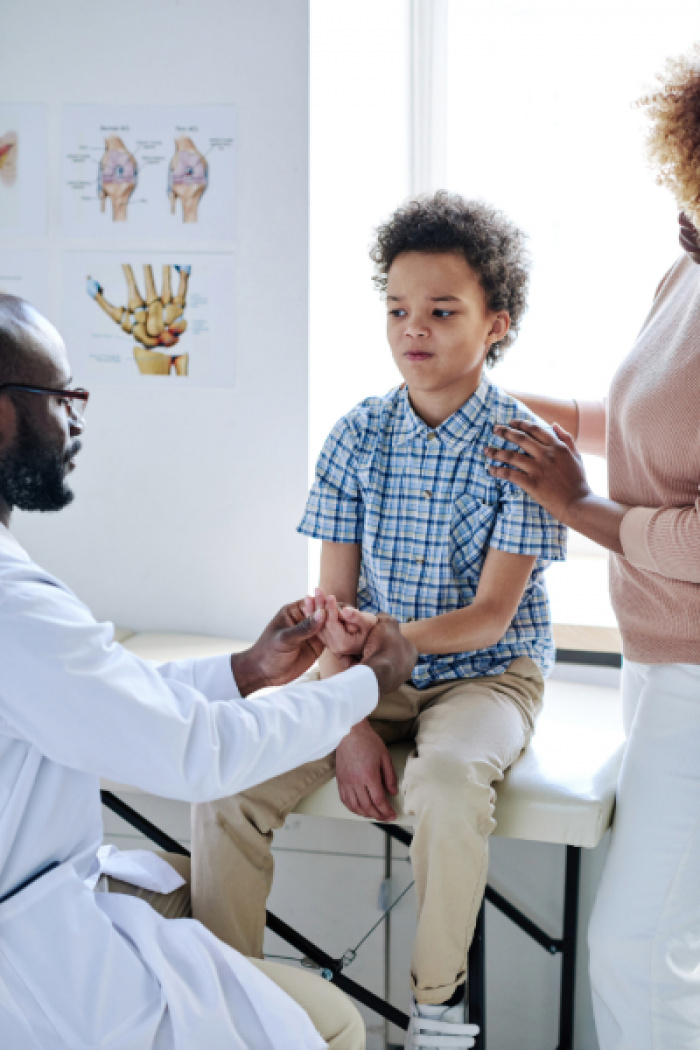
(438,326)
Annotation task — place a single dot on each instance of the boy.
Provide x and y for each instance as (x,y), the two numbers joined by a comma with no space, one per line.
(413,524)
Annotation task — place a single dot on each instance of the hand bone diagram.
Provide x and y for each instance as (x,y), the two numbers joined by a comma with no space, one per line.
(345,631)
(118,173)
(156,321)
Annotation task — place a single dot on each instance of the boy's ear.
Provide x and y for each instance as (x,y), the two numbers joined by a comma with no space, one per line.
(499,326)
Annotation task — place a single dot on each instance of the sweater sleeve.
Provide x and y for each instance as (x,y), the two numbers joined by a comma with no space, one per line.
(665,540)
(592,426)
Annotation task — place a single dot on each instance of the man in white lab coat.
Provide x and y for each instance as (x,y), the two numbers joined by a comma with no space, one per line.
(85,970)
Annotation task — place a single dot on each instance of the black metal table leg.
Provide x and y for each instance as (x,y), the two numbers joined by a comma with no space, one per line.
(476,974)
(572,882)
(332,968)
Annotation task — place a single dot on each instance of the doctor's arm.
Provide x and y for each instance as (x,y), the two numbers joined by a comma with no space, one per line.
(88,704)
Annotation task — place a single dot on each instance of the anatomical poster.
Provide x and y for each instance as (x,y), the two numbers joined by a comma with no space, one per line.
(25,273)
(150,318)
(161,171)
(23,166)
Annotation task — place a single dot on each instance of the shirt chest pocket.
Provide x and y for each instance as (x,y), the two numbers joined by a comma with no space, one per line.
(384,506)
(471,527)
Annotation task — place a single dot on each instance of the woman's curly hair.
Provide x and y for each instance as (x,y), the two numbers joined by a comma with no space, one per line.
(492,245)
(673,141)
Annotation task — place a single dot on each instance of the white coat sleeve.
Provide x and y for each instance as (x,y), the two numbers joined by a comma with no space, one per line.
(209,675)
(89,704)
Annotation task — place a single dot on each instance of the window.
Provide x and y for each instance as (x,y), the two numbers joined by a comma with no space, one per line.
(530,105)
(540,122)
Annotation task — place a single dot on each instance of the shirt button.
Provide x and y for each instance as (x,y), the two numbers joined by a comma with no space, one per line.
(410,619)
(432,436)
(428,494)
(420,561)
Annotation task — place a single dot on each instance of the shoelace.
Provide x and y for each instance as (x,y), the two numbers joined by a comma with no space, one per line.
(447,1035)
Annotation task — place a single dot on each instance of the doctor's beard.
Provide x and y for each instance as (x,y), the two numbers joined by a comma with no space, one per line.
(33,473)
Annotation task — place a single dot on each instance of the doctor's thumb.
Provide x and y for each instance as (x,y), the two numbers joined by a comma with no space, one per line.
(301,632)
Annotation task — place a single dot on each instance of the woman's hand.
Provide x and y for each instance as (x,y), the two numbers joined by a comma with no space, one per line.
(548,467)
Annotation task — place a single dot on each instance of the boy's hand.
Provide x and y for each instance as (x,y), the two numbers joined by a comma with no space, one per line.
(345,630)
(365,774)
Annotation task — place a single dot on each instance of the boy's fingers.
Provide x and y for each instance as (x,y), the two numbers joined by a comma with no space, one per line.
(389,774)
(333,612)
(370,805)
(379,801)
(351,803)
(361,620)
(308,605)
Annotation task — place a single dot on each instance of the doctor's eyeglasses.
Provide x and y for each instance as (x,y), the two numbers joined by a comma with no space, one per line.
(74,401)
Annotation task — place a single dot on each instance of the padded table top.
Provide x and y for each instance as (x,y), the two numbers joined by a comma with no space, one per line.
(561,790)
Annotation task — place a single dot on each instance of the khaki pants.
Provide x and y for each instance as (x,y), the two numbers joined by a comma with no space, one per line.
(331,1012)
(467,733)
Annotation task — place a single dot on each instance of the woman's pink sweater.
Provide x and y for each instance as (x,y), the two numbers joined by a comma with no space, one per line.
(653,449)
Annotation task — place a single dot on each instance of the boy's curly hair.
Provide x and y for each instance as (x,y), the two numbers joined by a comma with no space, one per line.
(492,245)
(673,140)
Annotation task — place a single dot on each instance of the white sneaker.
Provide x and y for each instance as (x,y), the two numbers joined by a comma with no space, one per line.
(439,1028)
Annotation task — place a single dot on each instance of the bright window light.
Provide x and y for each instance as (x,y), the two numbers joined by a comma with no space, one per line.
(541,124)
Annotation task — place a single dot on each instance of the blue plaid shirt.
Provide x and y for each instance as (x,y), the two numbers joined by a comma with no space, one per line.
(422,505)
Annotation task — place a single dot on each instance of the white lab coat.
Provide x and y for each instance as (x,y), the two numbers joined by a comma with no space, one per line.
(90,971)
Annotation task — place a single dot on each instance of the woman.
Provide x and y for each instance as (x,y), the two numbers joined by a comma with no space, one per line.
(645,930)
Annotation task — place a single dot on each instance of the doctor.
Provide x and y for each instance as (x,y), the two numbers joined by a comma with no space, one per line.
(85,970)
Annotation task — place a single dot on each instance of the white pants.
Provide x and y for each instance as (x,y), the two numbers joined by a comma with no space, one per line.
(645,931)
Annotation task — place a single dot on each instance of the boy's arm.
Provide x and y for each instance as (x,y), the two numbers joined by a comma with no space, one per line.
(340,572)
(484,622)
(364,770)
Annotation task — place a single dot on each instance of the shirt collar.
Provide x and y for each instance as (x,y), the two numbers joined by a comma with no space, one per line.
(462,424)
(9,545)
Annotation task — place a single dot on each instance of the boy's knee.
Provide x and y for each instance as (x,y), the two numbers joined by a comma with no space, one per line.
(451,792)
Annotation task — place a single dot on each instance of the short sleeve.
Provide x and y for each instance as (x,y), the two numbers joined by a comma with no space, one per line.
(334,509)
(523,527)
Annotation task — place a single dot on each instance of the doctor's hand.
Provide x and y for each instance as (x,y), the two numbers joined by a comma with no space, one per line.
(288,646)
(391,656)
(365,773)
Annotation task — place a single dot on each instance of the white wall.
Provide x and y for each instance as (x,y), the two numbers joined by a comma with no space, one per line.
(187,503)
